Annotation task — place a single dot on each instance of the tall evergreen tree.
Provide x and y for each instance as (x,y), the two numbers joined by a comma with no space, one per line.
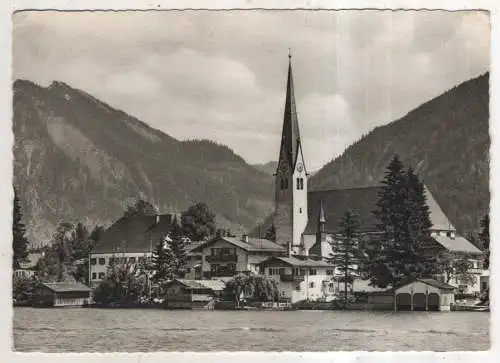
(178,248)
(418,228)
(484,236)
(19,241)
(163,262)
(345,251)
(404,223)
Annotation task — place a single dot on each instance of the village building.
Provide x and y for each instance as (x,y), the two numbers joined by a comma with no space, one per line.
(131,241)
(308,220)
(300,279)
(193,294)
(27,268)
(412,295)
(223,257)
(61,294)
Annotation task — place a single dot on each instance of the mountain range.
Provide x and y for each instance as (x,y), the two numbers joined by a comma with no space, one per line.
(78,159)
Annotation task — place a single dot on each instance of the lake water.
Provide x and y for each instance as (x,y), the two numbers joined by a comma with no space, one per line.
(108,330)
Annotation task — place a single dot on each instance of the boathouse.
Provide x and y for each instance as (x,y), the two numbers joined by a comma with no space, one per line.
(424,295)
(62,294)
(193,294)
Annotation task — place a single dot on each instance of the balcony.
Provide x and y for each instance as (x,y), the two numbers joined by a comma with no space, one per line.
(291,278)
(221,258)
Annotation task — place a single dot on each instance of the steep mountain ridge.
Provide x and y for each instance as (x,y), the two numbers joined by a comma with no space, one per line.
(78,159)
(446,140)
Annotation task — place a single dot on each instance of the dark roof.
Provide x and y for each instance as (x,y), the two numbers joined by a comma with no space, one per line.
(290,135)
(253,244)
(215,285)
(294,261)
(137,233)
(362,201)
(66,287)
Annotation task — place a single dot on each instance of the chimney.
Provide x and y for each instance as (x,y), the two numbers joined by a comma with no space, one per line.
(244,238)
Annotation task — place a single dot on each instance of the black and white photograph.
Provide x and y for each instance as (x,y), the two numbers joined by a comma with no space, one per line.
(250,180)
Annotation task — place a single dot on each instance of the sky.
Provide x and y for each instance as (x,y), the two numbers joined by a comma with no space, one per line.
(221,75)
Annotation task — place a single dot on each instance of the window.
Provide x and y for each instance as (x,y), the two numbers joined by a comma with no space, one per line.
(281,271)
(300,183)
(93,261)
(132,260)
(297,287)
(101,275)
(311,285)
(300,210)
(142,259)
(102,261)
(312,271)
(188,270)
(296,271)
(329,272)
(94,276)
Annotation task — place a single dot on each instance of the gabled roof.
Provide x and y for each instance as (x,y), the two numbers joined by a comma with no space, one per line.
(456,244)
(253,244)
(297,262)
(66,287)
(431,282)
(362,201)
(137,233)
(215,285)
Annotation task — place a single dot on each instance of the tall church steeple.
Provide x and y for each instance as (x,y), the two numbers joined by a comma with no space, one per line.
(291,176)
(290,134)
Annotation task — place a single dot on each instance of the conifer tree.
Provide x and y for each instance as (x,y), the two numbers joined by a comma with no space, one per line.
(178,248)
(404,223)
(345,254)
(19,240)
(163,262)
(484,236)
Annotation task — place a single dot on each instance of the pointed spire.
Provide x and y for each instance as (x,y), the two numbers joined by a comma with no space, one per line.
(290,136)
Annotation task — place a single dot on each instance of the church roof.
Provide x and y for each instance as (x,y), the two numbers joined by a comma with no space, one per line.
(456,244)
(290,135)
(361,201)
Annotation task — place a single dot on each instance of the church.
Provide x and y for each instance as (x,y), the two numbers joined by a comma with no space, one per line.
(307,221)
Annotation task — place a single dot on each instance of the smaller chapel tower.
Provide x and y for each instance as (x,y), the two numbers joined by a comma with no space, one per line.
(290,177)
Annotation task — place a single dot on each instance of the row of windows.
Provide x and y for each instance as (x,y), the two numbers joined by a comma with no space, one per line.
(223,251)
(296,271)
(121,260)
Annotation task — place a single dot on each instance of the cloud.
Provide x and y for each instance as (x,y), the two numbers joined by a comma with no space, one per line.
(222,74)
